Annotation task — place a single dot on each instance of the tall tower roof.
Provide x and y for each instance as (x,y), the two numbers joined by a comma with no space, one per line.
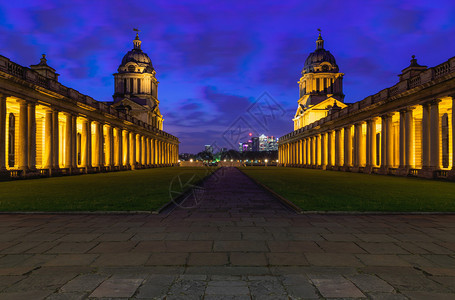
(137,56)
(319,56)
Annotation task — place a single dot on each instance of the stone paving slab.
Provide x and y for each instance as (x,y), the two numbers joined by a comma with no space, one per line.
(239,243)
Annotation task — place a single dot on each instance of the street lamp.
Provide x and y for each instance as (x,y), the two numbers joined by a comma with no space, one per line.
(266,162)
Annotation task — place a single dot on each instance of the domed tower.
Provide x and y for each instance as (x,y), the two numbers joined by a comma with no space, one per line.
(136,87)
(321,85)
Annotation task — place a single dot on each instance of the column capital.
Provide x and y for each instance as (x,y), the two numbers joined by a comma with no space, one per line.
(431,102)
(371,121)
(386,115)
(360,123)
(22,101)
(407,109)
(435,101)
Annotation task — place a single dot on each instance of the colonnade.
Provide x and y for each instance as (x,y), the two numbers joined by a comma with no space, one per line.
(34,136)
(412,140)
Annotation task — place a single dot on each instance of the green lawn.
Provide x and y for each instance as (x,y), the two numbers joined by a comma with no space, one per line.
(317,190)
(145,190)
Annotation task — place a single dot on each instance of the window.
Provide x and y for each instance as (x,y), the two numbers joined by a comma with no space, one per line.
(131,86)
(11,140)
(138,86)
(124,86)
(131,68)
(317,85)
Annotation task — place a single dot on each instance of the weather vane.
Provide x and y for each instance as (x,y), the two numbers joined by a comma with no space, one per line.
(135,29)
(319,29)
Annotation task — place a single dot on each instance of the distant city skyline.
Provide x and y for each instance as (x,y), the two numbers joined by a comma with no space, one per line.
(213,60)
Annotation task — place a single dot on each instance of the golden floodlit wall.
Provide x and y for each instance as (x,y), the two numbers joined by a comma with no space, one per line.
(407,130)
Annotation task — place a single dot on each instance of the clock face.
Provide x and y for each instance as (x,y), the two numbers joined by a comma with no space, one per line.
(325,68)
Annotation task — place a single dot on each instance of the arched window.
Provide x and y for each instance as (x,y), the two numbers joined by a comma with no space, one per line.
(131,68)
(445,140)
(11,140)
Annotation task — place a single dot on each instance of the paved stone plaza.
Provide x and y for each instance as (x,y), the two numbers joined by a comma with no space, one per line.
(239,243)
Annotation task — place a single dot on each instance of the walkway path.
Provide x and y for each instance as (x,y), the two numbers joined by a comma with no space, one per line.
(239,243)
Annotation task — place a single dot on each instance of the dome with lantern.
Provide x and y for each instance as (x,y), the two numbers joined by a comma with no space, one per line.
(320,60)
(136,60)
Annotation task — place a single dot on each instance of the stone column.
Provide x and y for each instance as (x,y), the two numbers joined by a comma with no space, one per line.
(89,144)
(426,135)
(74,159)
(149,152)
(323,150)
(297,145)
(409,139)
(2,133)
(85,151)
(160,153)
(313,151)
(317,148)
(152,151)
(101,144)
(107,146)
(132,138)
(48,140)
(348,146)
(143,151)
(111,146)
(56,139)
(291,153)
(453,133)
(138,149)
(68,140)
(389,142)
(119,147)
(305,151)
(96,146)
(402,139)
(329,149)
(359,147)
(384,141)
(308,151)
(371,143)
(23,135)
(434,135)
(338,147)
(31,135)
(126,145)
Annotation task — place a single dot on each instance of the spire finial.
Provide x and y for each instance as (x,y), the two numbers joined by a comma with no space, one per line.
(137,42)
(319,41)
(43,60)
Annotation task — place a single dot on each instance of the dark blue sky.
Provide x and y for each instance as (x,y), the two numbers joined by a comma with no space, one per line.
(215,58)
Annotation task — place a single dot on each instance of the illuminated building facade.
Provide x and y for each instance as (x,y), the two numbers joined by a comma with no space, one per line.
(49,129)
(320,87)
(407,129)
